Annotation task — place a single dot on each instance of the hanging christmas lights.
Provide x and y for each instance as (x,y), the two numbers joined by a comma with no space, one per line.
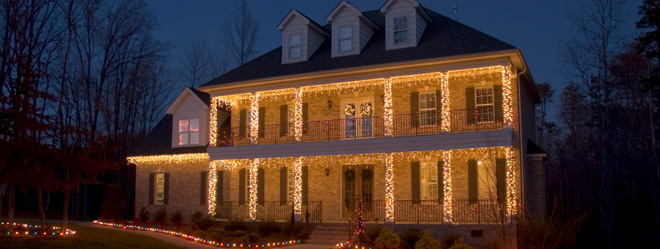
(507,98)
(511,198)
(387,98)
(297,188)
(389,189)
(213,122)
(448,188)
(252,197)
(169,159)
(254,118)
(446,107)
(213,181)
(298,122)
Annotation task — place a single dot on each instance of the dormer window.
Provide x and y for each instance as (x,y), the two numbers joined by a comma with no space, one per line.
(188,131)
(345,39)
(295,50)
(400,30)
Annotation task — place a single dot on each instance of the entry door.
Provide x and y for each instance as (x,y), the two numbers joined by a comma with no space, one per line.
(358,115)
(357,189)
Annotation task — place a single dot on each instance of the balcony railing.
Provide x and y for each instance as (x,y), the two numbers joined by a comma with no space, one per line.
(269,210)
(422,123)
(430,211)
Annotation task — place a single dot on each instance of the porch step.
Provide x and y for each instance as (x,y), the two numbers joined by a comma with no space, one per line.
(329,234)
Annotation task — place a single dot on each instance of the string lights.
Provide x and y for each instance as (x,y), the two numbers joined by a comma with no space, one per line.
(448,188)
(213,122)
(387,98)
(254,118)
(507,98)
(297,188)
(253,174)
(511,199)
(213,181)
(298,125)
(389,189)
(446,107)
(21,230)
(169,159)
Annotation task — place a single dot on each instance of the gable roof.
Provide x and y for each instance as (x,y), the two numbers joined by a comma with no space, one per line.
(414,3)
(443,37)
(159,141)
(205,98)
(308,21)
(344,4)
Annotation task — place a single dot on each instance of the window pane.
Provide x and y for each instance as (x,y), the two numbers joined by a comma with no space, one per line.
(400,23)
(194,124)
(294,40)
(160,188)
(183,138)
(183,125)
(294,52)
(400,36)
(345,32)
(194,138)
(345,45)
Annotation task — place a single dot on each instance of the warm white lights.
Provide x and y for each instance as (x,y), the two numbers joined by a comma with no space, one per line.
(213,121)
(254,118)
(511,199)
(298,122)
(253,172)
(213,181)
(389,189)
(507,98)
(446,108)
(169,159)
(447,183)
(387,98)
(297,188)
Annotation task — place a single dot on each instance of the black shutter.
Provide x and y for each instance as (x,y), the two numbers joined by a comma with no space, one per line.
(241,187)
(415,180)
(242,123)
(441,183)
(284,185)
(497,102)
(262,121)
(305,185)
(414,109)
(219,184)
(470,105)
(438,108)
(203,186)
(166,200)
(284,120)
(500,175)
(151,188)
(305,117)
(473,194)
(261,178)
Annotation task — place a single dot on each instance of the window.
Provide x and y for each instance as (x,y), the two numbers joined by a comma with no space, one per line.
(400,30)
(159,193)
(427,109)
(345,41)
(188,131)
(487,189)
(295,48)
(485,104)
(429,180)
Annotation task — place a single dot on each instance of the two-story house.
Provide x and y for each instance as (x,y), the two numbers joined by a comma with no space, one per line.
(400,114)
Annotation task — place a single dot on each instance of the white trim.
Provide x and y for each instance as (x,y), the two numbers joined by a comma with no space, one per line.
(182,96)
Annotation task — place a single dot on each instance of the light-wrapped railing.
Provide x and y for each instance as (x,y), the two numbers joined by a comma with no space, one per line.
(479,211)
(342,129)
(270,210)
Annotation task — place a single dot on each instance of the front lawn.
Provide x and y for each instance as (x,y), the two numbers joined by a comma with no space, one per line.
(87,237)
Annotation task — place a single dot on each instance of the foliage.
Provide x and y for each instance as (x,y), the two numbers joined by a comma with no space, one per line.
(113,203)
(451,239)
(205,222)
(253,237)
(300,230)
(411,236)
(388,239)
(267,227)
(161,215)
(241,240)
(552,232)
(143,216)
(373,232)
(461,245)
(177,217)
(427,242)
(237,224)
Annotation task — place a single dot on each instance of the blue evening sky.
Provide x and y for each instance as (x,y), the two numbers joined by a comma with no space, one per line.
(539,28)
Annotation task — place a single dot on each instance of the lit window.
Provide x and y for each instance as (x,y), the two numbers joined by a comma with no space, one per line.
(188,131)
(427,109)
(295,48)
(486,184)
(485,105)
(159,194)
(429,180)
(345,41)
(400,30)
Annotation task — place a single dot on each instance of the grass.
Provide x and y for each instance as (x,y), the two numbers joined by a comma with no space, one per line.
(87,237)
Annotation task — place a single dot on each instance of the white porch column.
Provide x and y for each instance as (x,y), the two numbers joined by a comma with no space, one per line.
(213,181)
(253,172)
(213,122)
(297,189)
(511,199)
(298,122)
(254,118)
(446,111)
(448,207)
(388,108)
(389,190)
(507,98)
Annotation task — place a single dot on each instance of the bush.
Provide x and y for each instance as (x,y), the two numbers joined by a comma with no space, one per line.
(373,232)
(241,240)
(427,242)
(451,239)
(302,230)
(205,223)
(161,215)
(143,216)
(177,217)
(267,227)
(238,233)
(253,237)
(461,245)
(388,239)
(237,224)
(411,236)
(217,235)
(196,217)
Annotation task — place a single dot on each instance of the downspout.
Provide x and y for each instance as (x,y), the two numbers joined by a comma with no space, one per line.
(520,141)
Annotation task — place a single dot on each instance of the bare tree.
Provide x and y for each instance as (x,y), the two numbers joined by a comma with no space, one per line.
(241,33)
(201,64)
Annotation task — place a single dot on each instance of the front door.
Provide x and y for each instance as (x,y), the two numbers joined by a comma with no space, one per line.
(357,115)
(357,189)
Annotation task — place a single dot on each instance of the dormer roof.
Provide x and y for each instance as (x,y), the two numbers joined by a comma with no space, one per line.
(295,13)
(421,10)
(348,6)
(202,97)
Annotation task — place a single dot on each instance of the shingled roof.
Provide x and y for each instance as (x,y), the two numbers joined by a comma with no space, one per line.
(443,37)
(159,141)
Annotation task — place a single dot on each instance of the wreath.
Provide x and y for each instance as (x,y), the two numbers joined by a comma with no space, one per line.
(367,174)
(349,110)
(365,109)
(349,175)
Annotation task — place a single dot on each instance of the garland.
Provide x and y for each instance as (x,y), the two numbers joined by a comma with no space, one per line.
(366,174)
(349,110)
(365,109)
(349,175)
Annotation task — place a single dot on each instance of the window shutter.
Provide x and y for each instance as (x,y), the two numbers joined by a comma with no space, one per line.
(415,179)
(473,193)
(262,121)
(261,173)
(242,124)
(219,184)
(497,102)
(203,183)
(284,120)
(151,188)
(470,105)
(241,187)
(305,117)
(284,185)
(500,175)
(441,183)
(166,200)
(414,109)
(305,185)
(438,108)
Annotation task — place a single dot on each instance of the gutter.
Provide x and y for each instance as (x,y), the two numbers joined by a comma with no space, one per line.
(520,140)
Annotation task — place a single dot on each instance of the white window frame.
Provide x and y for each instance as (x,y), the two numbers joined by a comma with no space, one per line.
(484,105)
(432,120)
(342,37)
(400,26)
(428,181)
(294,46)
(159,188)
(188,134)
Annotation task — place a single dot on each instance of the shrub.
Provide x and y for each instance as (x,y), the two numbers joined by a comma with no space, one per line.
(427,242)
(461,245)
(143,216)
(411,236)
(177,217)
(196,217)
(217,235)
(253,237)
(372,233)
(205,223)
(161,215)
(302,230)
(451,239)
(238,233)
(388,239)
(241,240)
(237,224)
(267,227)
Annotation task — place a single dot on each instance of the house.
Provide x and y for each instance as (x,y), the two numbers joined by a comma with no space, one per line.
(399,114)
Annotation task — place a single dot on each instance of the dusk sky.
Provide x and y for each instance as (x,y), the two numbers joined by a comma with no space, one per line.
(539,28)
